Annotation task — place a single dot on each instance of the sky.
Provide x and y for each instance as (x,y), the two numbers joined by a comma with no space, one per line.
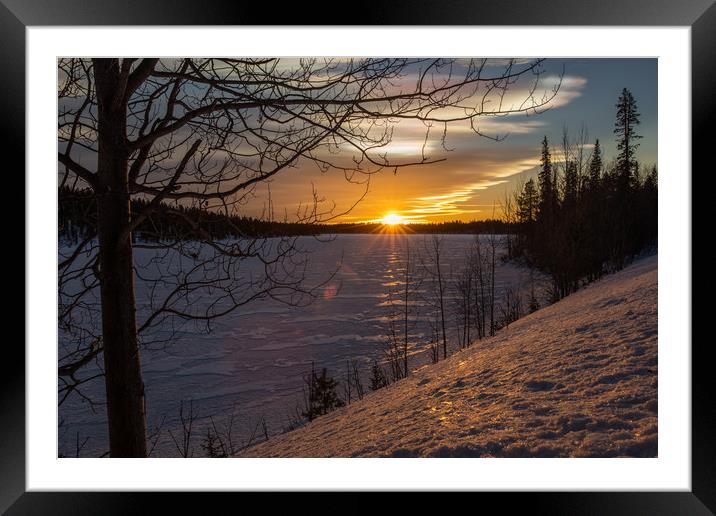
(478,172)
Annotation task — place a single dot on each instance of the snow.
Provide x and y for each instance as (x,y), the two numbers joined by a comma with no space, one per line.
(574,379)
(254,359)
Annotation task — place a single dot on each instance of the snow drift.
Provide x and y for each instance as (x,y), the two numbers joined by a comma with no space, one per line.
(575,379)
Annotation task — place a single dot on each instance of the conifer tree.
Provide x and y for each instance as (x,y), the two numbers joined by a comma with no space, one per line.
(321,397)
(527,203)
(546,184)
(625,130)
(595,166)
(571,186)
(593,221)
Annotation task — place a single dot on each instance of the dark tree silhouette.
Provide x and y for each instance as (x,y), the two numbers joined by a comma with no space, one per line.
(625,130)
(321,395)
(191,137)
(547,186)
(599,218)
(595,167)
(378,380)
(527,203)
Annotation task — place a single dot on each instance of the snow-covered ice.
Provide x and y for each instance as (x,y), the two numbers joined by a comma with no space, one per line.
(575,379)
(255,358)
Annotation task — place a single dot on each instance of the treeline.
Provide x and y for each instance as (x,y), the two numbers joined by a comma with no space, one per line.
(454,227)
(582,217)
(78,213)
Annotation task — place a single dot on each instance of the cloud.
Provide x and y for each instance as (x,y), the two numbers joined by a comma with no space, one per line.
(413,138)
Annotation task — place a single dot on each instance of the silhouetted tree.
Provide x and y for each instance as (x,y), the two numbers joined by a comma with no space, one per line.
(594,208)
(626,179)
(625,130)
(321,396)
(547,187)
(378,379)
(438,281)
(595,167)
(601,215)
(528,201)
(206,133)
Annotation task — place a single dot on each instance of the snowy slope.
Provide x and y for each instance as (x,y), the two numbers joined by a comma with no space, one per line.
(578,378)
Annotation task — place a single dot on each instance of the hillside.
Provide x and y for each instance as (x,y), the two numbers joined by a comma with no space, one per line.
(575,379)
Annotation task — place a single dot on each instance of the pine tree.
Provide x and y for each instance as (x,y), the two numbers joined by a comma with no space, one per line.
(591,221)
(623,211)
(595,167)
(546,184)
(211,444)
(571,185)
(527,203)
(625,130)
(594,205)
(321,397)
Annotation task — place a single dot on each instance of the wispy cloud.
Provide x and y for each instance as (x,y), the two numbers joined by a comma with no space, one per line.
(415,138)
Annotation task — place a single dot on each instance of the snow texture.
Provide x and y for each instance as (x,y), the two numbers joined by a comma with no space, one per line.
(575,379)
(255,358)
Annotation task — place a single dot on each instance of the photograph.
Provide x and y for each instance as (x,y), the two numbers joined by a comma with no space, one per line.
(357,257)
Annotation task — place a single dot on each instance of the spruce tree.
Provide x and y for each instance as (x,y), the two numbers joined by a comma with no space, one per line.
(625,130)
(527,203)
(571,185)
(321,397)
(546,183)
(595,166)
(623,211)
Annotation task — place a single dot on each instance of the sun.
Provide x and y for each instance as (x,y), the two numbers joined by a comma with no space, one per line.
(392,219)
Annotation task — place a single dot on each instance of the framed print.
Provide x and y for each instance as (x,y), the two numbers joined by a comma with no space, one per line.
(425,249)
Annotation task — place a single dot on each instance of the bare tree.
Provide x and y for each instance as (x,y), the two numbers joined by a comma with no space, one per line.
(481,262)
(463,303)
(410,285)
(508,206)
(438,282)
(353,384)
(493,241)
(206,134)
(348,385)
(183,445)
(511,306)
(357,382)
(393,349)
(402,315)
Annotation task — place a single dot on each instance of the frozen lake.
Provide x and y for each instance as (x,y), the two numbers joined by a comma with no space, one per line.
(254,359)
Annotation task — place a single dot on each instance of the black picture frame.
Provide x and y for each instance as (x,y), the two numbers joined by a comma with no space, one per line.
(700,15)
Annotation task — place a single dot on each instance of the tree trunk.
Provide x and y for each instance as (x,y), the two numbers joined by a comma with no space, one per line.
(442,305)
(123,375)
(405,314)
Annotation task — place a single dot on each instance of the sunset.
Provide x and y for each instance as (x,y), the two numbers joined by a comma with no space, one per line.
(392,219)
(475,172)
(357,257)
